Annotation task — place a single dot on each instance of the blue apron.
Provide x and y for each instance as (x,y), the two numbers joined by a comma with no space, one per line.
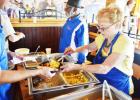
(114,77)
(4,88)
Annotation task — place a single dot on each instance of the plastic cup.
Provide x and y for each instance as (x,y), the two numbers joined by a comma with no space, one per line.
(48,50)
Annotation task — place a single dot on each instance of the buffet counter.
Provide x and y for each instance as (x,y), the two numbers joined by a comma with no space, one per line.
(42,88)
(46,22)
(41,96)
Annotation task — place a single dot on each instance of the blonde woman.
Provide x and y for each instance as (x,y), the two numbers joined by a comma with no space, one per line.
(114,58)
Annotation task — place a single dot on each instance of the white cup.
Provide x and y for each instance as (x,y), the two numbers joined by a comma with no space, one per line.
(48,50)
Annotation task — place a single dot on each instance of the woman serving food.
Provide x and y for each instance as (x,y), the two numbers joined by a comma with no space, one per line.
(115,51)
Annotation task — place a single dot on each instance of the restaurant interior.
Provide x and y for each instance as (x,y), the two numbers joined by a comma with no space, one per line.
(42,23)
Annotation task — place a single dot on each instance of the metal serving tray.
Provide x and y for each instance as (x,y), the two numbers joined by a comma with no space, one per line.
(93,93)
(62,84)
(31,64)
(43,59)
(49,84)
(89,78)
(36,54)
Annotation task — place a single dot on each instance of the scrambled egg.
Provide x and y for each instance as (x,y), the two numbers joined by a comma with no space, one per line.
(54,64)
(75,78)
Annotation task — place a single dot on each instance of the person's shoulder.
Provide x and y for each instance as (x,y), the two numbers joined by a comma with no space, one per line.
(125,38)
(81,20)
(124,41)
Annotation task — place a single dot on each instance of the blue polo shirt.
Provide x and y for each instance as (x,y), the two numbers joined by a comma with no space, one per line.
(4,88)
(74,33)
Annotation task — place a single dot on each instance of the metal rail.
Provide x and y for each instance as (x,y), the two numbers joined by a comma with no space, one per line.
(54,13)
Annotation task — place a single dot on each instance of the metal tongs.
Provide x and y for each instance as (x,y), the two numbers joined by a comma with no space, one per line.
(57,71)
(106,89)
(62,61)
(62,58)
(38,47)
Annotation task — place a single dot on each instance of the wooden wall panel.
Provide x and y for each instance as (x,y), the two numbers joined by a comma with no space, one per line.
(43,36)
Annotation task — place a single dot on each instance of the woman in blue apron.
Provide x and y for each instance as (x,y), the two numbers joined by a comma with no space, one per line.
(115,52)
(114,74)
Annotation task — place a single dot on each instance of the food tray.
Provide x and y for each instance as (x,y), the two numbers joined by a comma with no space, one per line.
(54,56)
(47,84)
(31,64)
(93,93)
(59,78)
(74,78)
(36,54)
(45,58)
(62,84)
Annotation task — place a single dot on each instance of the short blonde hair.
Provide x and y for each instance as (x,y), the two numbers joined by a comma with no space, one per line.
(113,13)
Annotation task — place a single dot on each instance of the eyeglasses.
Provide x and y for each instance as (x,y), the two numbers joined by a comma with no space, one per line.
(105,28)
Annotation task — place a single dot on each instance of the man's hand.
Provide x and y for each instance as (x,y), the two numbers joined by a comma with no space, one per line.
(70,67)
(20,34)
(46,71)
(69,50)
